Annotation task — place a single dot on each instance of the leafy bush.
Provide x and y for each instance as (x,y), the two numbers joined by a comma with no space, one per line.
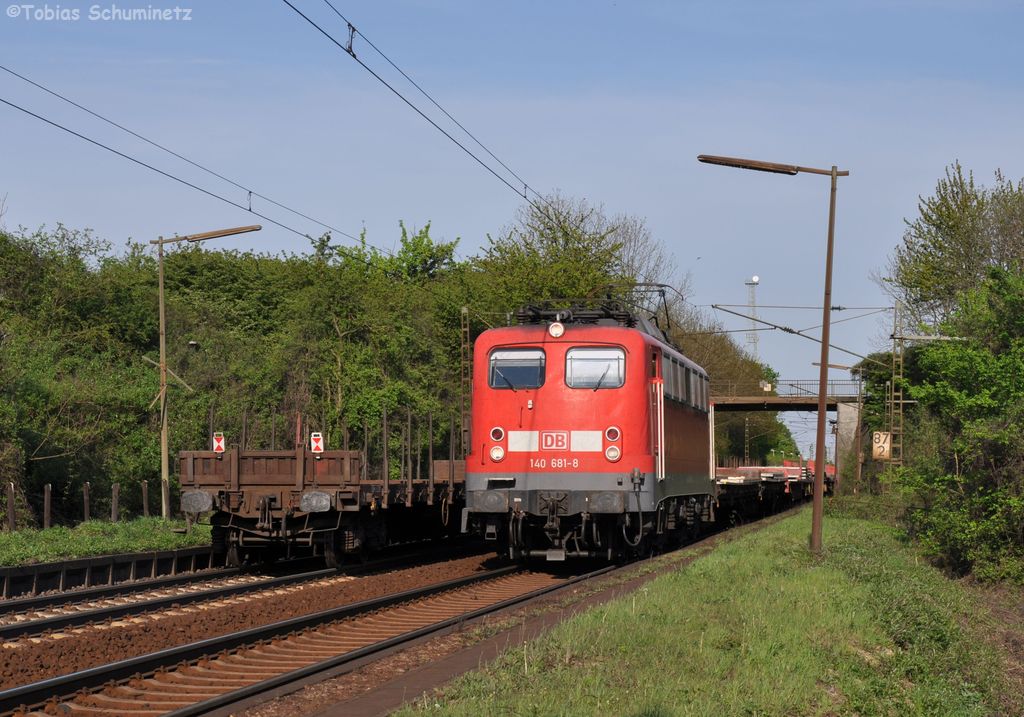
(95,537)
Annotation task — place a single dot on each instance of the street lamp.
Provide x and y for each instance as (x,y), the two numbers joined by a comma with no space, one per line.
(826,314)
(165,481)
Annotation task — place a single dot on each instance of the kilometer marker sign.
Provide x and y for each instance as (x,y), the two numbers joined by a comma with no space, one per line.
(218,442)
(316,442)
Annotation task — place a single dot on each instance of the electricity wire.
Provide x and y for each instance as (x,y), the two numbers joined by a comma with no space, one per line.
(795,332)
(341,250)
(355,31)
(197,165)
(404,99)
(207,192)
(815,308)
(522,194)
(849,318)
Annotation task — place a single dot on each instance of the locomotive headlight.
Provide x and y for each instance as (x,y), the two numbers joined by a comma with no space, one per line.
(497,453)
(497,433)
(612,453)
(612,434)
(556,329)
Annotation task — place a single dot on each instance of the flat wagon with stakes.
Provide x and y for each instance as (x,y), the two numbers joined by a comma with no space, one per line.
(269,504)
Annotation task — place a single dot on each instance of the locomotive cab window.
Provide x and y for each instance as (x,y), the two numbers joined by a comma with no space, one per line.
(516,368)
(595,368)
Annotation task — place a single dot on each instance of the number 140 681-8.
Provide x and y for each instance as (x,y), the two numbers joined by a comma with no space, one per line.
(555,463)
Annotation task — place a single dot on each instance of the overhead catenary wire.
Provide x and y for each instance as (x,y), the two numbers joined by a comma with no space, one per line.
(815,308)
(251,192)
(207,192)
(150,167)
(726,331)
(795,332)
(849,318)
(522,194)
(355,31)
(341,250)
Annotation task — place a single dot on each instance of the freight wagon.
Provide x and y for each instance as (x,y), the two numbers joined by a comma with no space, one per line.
(269,504)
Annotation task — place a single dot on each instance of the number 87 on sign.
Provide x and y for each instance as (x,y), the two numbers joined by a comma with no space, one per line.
(881,445)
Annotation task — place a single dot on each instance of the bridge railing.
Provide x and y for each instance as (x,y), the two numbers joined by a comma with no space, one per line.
(784,387)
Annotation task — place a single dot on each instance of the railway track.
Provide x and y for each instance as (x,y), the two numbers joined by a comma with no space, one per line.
(205,675)
(78,613)
(59,597)
(51,613)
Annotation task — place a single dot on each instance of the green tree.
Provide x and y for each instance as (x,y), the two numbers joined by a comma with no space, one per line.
(970,483)
(961,231)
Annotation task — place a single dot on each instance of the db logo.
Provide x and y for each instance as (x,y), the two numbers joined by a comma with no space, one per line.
(554,440)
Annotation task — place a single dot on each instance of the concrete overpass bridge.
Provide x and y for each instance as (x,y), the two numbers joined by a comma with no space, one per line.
(786,395)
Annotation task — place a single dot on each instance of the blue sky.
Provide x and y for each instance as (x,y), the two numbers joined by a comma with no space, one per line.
(610,101)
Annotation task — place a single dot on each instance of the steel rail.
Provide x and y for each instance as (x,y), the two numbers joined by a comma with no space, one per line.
(75,595)
(110,612)
(16,605)
(101,570)
(244,693)
(38,693)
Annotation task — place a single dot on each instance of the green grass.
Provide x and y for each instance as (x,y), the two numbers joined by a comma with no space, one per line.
(758,628)
(24,547)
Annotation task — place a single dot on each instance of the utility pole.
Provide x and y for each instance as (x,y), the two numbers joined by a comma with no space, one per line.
(746,440)
(818,504)
(835,457)
(466,384)
(896,433)
(860,430)
(752,301)
(165,477)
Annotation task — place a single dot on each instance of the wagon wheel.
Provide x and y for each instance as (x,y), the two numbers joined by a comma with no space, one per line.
(331,556)
(735,519)
(269,556)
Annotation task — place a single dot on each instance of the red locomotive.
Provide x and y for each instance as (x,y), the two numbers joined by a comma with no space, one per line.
(591,437)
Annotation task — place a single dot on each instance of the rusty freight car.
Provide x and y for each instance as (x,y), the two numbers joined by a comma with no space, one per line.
(268,504)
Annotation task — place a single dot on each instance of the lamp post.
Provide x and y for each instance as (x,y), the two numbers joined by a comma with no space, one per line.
(826,314)
(165,481)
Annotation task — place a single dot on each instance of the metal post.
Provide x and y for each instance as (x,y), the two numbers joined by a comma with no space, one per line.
(408,457)
(11,515)
(818,504)
(115,500)
(244,443)
(165,477)
(47,503)
(85,500)
(145,498)
(430,457)
(386,463)
(860,432)
(746,440)
(451,461)
(835,432)
(165,480)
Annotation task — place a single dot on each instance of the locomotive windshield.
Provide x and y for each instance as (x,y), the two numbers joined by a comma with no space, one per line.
(595,368)
(516,368)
